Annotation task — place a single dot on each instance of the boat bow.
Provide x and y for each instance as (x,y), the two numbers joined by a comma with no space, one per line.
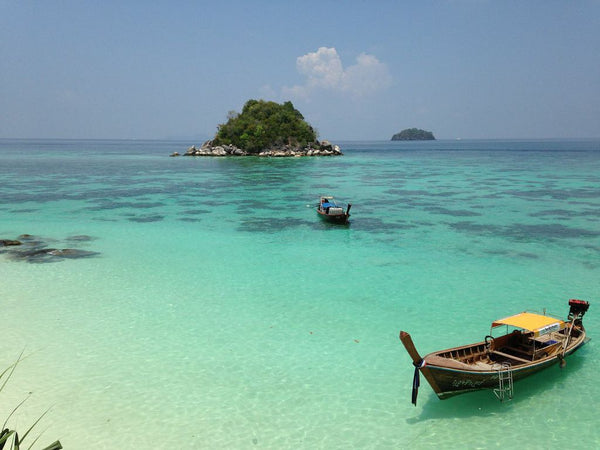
(417,362)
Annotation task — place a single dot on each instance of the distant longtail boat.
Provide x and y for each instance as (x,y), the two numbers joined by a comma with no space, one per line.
(330,211)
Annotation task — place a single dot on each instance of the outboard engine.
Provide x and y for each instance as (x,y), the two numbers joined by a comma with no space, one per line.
(578,309)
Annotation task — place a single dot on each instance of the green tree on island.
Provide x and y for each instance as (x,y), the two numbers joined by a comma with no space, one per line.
(413,134)
(264,124)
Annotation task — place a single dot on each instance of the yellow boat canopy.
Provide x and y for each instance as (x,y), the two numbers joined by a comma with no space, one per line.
(535,323)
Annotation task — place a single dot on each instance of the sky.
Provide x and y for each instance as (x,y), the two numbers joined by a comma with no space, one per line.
(356,70)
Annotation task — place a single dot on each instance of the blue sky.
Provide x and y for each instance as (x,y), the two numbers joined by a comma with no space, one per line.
(357,70)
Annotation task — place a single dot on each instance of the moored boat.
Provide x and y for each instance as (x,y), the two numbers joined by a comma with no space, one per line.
(530,342)
(330,211)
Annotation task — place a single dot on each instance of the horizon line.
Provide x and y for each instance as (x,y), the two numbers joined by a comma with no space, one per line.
(173,139)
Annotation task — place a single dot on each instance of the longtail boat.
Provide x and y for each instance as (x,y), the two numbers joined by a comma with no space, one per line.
(330,211)
(528,342)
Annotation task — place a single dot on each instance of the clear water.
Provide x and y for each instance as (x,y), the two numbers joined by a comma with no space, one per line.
(220,312)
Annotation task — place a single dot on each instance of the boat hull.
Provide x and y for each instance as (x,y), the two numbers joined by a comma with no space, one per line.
(448,382)
(333,218)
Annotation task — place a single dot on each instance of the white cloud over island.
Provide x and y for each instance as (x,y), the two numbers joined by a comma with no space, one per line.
(324,71)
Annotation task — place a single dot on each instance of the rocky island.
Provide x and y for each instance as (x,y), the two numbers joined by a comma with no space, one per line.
(413,134)
(265,128)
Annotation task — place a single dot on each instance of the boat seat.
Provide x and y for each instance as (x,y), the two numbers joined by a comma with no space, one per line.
(527,351)
(506,355)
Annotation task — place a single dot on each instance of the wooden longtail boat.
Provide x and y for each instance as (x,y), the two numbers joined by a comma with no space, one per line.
(530,343)
(329,210)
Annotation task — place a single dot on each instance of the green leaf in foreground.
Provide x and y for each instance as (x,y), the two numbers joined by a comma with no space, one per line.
(7,433)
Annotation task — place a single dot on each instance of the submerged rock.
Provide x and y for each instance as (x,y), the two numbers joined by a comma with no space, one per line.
(80,238)
(41,255)
(34,250)
(72,253)
(9,242)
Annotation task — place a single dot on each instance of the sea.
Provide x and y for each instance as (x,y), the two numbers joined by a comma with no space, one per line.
(200,302)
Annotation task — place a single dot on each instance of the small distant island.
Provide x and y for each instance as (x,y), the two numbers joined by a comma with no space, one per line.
(265,128)
(413,134)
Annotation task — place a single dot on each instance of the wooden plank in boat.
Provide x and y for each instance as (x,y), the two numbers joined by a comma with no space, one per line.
(506,355)
(521,350)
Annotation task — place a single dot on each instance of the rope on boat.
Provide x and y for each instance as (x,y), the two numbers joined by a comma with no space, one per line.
(416,382)
(418,362)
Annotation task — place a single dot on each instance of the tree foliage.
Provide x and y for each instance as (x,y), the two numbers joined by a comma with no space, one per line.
(413,134)
(264,124)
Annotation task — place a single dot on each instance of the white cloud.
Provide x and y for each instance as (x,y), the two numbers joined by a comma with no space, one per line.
(324,72)
(322,68)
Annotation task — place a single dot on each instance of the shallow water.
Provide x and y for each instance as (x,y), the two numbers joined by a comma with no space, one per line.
(219,312)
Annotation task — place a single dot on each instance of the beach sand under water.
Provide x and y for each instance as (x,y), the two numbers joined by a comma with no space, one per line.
(207,306)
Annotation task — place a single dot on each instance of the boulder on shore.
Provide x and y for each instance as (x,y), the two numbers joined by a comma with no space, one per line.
(324,148)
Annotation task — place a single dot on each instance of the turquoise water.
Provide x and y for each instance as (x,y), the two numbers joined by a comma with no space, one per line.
(217,311)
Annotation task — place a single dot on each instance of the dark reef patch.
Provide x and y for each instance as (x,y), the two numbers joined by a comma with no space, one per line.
(149,218)
(554,231)
(528,255)
(452,212)
(496,252)
(378,226)
(212,203)
(79,238)
(109,204)
(565,214)
(525,233)
(270,225)
(248,206)
(195,212)
(24,210)
(551,212)
(556,194)
(511,254)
